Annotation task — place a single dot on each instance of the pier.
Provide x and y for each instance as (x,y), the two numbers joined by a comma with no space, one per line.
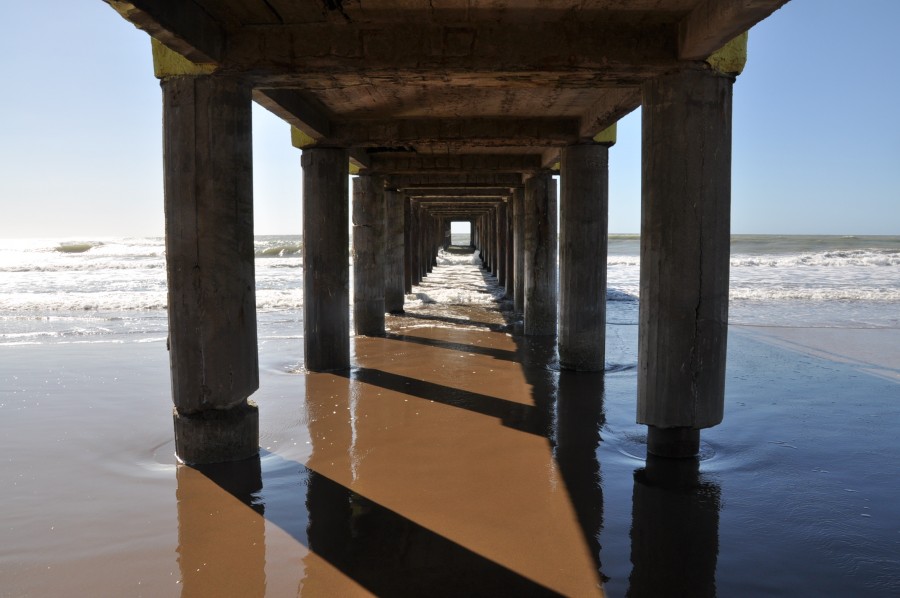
(448,111)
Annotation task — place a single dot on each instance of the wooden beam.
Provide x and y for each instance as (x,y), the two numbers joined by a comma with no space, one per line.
(455,164)
(478,132)
(614,104)
(179,24)
(601,45)
(457,192)
(461,181)
(713,23)
(296,109)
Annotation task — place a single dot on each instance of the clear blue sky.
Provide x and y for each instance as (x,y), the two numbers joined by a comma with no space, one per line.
(816,128)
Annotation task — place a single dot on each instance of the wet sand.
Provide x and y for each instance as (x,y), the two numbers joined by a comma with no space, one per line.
(455,459)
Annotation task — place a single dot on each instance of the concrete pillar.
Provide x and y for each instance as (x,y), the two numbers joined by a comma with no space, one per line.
(368,255)
(207,153)
(509,250)
(414,245)
(583,211)
(501,244)
(394,285)
(518,200)
(685,237)
(540,255)
(407,245)
(445,224)
(326,273)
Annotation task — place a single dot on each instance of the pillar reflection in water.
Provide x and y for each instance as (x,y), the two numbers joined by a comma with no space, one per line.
(221,542)
(674,530)
(579,417)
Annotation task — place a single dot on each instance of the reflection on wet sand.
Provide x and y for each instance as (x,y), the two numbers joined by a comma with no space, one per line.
(675,530)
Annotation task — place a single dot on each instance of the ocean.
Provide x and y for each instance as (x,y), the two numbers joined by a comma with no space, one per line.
(113,290)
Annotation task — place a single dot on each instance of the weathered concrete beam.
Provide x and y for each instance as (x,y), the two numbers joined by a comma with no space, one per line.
(615,104)
(458,194)
(298,110)
(179,24)
(478,132)
(620,49)
(451,164)
(714,23)
(459,180)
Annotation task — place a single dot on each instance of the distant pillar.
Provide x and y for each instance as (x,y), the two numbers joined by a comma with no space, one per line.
(685,235)
(368,255)
(394,286)
(518,200)
(501,244)
(540,255)
(414,244)
(582,256)
(510,249)
(448,233)
(210,269)
(326,274)
(407,245)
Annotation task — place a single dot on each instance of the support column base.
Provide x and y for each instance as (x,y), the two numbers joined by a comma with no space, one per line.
(674,443)
(582,363)
(217,435)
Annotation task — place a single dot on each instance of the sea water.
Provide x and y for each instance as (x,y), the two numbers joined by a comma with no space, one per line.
(113,290)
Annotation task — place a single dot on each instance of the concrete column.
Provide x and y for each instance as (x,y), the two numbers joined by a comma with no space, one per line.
(685,237)
(518,200)
(501,244)
(207,153)
(583,211)
(445,223)
(540,255)
(326,273)
(368,255)
(407,241)
(509,250)
(394,281)
(415,274)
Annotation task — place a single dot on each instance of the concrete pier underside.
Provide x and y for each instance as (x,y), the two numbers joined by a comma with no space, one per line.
(462,111)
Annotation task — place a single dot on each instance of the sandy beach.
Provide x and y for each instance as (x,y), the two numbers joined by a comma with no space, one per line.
(456,459)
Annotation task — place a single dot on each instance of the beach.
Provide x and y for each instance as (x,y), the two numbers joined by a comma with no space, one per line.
(454,457)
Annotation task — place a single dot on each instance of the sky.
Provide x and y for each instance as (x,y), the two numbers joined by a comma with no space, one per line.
(816,128)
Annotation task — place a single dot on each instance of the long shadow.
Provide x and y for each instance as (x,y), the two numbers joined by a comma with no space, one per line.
(378,548)
(518,416)
(462,347)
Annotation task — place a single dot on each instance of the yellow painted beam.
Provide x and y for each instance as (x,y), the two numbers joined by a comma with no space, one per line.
(732,57)
(300,140)
(168,63)
(607,136)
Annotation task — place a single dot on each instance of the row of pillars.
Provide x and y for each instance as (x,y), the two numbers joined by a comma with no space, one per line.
(684,258)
